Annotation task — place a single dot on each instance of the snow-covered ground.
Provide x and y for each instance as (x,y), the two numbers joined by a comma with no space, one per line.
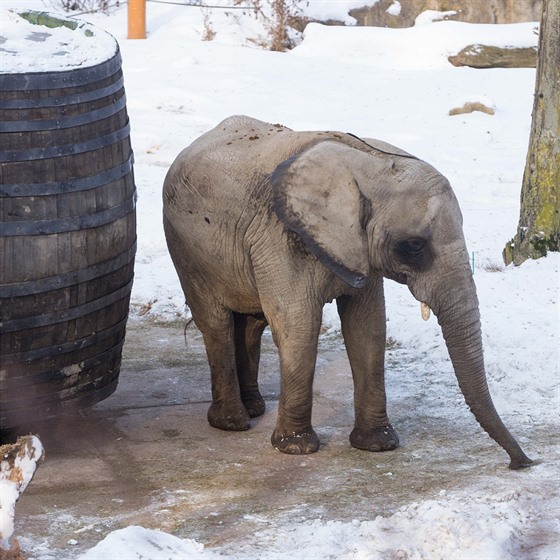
(395,85)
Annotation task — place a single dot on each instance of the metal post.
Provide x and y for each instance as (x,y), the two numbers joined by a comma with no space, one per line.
(136,19)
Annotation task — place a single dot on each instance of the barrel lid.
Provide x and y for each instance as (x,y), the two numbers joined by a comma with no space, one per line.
(32,42)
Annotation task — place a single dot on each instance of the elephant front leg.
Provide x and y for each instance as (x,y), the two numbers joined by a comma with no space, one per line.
(297,345)
(216,324)
(364,331)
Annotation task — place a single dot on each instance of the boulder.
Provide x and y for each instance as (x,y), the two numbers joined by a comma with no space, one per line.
(485,56)
(471,107)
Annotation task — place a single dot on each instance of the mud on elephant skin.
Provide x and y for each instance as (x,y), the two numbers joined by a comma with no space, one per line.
(265,225)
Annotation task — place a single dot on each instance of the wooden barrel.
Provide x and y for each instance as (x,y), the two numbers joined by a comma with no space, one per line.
(67,238)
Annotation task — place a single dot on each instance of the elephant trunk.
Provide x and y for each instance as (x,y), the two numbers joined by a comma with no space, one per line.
(462,334)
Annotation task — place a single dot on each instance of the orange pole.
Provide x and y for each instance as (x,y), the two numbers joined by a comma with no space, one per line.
(136,19)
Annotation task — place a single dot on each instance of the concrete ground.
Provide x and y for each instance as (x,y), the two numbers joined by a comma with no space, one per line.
(147,456)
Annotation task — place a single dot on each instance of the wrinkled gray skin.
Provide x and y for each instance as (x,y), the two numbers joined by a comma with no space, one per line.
(265,225)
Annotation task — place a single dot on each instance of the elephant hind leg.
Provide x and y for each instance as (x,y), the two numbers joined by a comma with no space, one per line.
(248,331)
(216,323)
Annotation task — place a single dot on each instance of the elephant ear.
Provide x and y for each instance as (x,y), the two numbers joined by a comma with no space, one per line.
(315,195)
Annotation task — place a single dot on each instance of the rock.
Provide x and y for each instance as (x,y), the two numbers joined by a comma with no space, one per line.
(470,107)
(484,56)
(390,13)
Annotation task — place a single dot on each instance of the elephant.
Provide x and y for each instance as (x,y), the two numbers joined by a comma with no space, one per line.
(265,225)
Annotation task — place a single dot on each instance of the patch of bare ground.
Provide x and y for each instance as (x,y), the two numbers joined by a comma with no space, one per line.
(147,456)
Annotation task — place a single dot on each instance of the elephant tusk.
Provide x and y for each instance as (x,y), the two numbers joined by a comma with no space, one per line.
(425,311)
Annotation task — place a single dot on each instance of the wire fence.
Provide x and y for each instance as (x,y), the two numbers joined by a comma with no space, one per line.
(197,5)
(117,4)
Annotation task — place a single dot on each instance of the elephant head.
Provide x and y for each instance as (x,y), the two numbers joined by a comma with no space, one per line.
(369,210)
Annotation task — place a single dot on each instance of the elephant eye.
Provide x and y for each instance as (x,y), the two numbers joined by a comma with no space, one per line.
(415,245)
(413,252)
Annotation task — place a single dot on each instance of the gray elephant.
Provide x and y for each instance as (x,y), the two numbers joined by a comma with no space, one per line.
(265,225)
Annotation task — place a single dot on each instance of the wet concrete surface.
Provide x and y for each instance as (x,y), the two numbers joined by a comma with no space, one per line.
(147,456)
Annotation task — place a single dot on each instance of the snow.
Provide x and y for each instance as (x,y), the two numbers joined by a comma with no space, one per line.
(394,9)
(324,10)
(439,528)
(417,48)
(135,542)
(27,47)
(396,85)
(433,529)
(14,478)
(430,16)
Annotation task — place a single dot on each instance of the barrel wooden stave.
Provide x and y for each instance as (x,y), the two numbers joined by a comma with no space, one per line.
(68,239)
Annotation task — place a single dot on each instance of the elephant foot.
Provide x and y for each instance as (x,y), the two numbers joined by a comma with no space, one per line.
(253,403)
(375,439)
(230,418)
(296,443)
